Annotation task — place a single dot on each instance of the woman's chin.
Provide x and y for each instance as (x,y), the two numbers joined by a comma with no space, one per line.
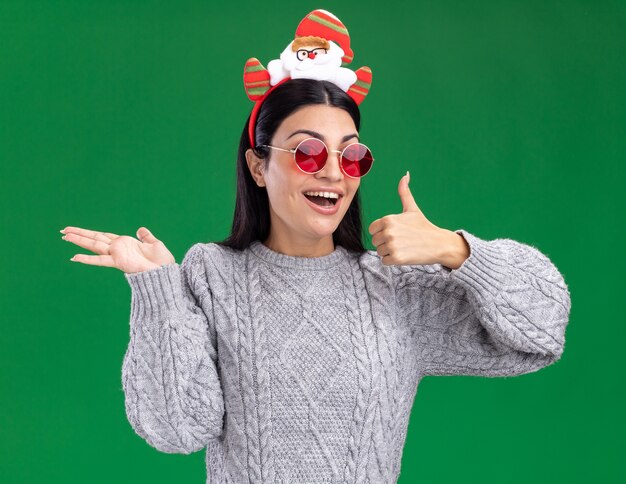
(323,231)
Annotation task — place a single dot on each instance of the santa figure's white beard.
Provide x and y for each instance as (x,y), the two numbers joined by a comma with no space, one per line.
(308,64)
(325,67)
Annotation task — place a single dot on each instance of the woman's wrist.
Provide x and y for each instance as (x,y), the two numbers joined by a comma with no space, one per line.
(455,250)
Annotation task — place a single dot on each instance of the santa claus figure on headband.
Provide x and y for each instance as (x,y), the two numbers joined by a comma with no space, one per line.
(312,57)
(319,50)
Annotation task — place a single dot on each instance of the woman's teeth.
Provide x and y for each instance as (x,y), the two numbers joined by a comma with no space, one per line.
(325,199)
(323,194)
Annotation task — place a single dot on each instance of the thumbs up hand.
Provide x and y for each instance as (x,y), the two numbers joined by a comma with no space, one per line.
(410,238)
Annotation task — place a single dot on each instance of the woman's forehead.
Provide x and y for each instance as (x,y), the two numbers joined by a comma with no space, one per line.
(325,121)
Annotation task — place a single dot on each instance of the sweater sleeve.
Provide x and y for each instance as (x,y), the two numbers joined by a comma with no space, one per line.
(173,394)
(502,313)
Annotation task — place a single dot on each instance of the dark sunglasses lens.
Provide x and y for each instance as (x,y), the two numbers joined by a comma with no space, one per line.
(357,160)
(311,155)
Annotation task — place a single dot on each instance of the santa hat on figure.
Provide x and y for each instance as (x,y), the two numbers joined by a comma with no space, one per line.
(320,49)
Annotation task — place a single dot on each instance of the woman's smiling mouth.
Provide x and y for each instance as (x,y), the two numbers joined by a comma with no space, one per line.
(326,205)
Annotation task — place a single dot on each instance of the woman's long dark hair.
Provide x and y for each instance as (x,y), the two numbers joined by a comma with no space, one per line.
(251,220)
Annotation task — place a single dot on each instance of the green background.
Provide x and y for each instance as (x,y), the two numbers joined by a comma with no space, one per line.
(510,116)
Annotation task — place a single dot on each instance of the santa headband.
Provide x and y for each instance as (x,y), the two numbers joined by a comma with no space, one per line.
(320,49)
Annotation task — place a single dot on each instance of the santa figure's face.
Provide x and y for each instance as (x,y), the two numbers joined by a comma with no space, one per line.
(305,53)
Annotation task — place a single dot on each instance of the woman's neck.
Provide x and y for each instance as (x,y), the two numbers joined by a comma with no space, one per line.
(300,246)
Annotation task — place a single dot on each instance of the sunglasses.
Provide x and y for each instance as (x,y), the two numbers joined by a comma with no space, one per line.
(311,155)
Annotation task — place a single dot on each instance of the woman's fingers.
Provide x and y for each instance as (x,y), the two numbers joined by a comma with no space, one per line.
(90,233)
(94,245)
(94,260)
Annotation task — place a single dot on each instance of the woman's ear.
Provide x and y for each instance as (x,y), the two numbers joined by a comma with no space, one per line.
(255,165)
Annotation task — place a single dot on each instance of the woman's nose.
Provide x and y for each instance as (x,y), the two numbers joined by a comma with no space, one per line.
(311,55)
(331,169)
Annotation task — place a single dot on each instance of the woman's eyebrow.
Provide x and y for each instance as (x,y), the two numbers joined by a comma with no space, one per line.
(321,136)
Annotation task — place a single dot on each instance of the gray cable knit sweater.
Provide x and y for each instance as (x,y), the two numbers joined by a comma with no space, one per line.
(304,370)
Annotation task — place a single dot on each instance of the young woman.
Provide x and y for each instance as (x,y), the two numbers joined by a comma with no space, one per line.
(291,352)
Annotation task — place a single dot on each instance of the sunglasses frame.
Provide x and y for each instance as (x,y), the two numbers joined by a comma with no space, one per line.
(328,151)
(309,51)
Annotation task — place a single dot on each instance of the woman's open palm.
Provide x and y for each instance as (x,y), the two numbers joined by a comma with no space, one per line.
(123,252)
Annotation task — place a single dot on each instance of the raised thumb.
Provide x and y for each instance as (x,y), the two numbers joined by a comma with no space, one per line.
(408,202)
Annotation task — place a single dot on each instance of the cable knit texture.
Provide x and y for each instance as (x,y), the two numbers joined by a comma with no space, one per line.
(304,370)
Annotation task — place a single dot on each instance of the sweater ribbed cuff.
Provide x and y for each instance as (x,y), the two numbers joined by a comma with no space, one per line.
(155,293)
(485,270)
